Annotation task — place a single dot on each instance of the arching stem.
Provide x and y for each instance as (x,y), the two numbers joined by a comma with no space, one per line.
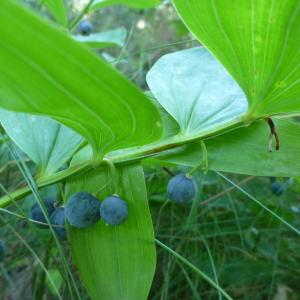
(204,163)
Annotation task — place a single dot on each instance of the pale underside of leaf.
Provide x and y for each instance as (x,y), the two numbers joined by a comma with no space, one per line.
(48,143)
(196,91)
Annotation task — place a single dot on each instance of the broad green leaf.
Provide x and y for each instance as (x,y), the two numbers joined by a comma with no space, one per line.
(197,91)
(115,262)
(258,42)
(115,37)
(58,77)
(48,143)
(58,10)
(245,151)
(97,4)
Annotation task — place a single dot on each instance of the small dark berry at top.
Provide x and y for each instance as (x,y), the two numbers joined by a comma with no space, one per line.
(85,27)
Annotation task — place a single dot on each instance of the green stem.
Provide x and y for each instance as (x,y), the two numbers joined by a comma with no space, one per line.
(119,158)
(191,266)
(45,181)
(204,163)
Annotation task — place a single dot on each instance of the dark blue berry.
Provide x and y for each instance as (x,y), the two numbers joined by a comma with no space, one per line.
(36,213)
(85,27)
(82,210)
(181,188)
(58,221)
(114,210)
(2,251)
(277,188)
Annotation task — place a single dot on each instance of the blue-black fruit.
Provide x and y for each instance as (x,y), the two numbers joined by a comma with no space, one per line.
(114,210)
(58,221)
(82,210)
(181,188)
(85,27)
(277,188)
(36,213)
(2,251)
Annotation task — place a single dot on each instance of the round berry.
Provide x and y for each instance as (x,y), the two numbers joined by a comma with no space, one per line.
(85,27)
(114,210)
(58,220)
(82,210)
(181,188)
(277,188)
(36,213)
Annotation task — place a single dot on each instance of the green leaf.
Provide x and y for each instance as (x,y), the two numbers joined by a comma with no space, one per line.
(57,76)
(197,91)
(245,151)
(258,42)
(115,37)
(115,262)
(97,4)
(48,143)
(58,10)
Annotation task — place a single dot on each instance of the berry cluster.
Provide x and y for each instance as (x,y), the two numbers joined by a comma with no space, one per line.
(84,209)
(81,211)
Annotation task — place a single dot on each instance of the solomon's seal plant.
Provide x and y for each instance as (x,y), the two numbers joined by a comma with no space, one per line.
(221,106)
